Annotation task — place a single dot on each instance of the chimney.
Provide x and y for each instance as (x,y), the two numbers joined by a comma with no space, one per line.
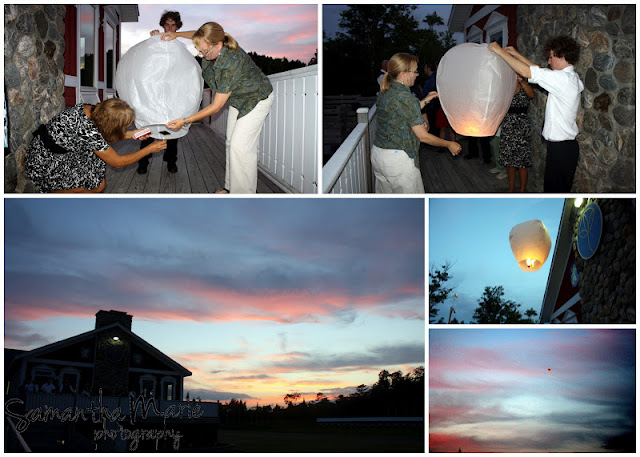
(104,318)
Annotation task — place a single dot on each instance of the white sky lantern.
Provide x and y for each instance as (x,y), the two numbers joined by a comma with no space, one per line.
(475,88)
(161,81)
(530,243)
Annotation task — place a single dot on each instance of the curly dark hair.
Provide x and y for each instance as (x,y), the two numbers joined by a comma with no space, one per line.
(563,46)
(173,15)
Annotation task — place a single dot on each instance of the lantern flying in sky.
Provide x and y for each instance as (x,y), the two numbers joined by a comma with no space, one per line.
(548,370)
(161,81)
(530,243)
(475,88)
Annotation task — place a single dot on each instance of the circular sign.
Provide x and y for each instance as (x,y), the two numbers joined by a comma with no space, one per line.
(589,230)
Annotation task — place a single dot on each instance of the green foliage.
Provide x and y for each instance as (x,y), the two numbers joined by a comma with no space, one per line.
(438,293)
(270,65)
(493,309)
(371,34)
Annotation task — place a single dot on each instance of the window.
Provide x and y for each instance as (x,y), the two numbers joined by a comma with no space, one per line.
(110,57)
(497,29)
(148,386)
(87,45)
(168,388)
(69,380)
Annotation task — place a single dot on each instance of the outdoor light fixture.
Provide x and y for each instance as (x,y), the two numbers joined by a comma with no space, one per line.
(530,243)
(578,202)
(116,338)
(475,88)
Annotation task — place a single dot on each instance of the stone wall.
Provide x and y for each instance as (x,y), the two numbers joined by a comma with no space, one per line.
(606,34)
(607,281)
(34,79)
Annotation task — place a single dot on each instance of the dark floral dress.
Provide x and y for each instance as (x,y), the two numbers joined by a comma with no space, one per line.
(515,134)
(79,166)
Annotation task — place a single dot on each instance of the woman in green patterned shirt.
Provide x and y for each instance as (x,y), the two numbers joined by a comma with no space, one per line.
(400,128)
(235,78)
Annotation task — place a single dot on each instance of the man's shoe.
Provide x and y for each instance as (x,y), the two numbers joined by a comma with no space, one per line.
(142,169)
(172,168)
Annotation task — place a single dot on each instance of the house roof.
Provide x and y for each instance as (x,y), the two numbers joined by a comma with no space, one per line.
(559,263)
(129,13)
(88,335)
(458,17)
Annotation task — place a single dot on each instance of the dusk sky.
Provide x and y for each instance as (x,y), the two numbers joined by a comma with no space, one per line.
(277,31)
(490,390)
(473,235)
(331,18)
(257,297)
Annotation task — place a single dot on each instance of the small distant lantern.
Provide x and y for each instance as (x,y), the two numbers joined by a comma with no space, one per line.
(475,88)
(530,243)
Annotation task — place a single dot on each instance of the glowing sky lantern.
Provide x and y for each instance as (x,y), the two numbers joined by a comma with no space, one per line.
(530,243)
(161,81)
(475,88)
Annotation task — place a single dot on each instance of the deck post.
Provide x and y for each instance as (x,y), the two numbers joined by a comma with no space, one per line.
(363,117)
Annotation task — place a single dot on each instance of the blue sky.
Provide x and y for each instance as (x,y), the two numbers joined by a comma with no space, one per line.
(473,235)
(532,390)
(278,31)
(257,297)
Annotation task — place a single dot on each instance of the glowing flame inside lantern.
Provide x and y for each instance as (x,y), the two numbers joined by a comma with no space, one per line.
(530,243)
(475,88)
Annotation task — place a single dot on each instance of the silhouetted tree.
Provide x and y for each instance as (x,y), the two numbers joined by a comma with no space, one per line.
(438,293)
(493,309)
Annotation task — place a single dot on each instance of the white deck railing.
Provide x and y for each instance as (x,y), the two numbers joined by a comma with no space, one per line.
(63,401)
(288,147)
(349,169)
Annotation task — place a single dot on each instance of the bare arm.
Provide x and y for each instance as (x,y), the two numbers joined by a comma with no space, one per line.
(511,50)
(518,66)
(168,36)
(425,137)
(526,87)
(111,157)
(218,102)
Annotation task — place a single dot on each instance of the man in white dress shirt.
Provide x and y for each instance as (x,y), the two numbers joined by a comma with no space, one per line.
(564,87)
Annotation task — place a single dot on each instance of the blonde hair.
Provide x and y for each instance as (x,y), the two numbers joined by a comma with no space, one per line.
(212,33)
(397,64)
(112,117)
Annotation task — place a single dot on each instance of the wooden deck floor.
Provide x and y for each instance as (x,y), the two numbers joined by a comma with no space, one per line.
(444,173)
(201,168)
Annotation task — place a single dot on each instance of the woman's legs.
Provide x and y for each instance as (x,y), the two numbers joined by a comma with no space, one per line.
(242,148)
(524,176)
(511,174)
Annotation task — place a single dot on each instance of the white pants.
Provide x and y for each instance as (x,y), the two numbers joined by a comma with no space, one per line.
(241,175)
(395,172)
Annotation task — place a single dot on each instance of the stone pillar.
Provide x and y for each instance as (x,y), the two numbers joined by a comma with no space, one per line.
(607,281)
(34,79)
(606,34)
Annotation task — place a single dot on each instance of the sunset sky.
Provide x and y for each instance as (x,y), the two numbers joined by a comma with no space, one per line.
(490,390)
(278,31)
(473,235)
(257,297)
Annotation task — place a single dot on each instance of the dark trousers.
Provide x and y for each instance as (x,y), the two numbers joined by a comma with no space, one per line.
(485,145)
(169,156)
(562,160)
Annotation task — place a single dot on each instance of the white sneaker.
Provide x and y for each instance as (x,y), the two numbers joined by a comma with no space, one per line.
(494,170)
(502,175)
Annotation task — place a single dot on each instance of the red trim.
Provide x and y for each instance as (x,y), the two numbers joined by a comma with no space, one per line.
(101,46)
(71,49)
(69,96)
(509,11)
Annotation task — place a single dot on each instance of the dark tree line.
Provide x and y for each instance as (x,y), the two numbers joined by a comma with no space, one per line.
(492,307)
(372,33)
(392,395)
